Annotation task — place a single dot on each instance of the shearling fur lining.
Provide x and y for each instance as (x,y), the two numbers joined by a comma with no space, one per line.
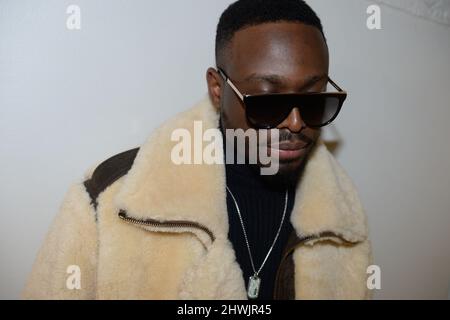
(120,261)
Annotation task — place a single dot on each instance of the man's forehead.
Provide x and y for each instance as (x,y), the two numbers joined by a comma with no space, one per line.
(280,80)
(278,29)
(277,36)
(277,61)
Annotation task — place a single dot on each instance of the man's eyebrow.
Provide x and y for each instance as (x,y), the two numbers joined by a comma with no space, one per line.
(271,78)
(278,80)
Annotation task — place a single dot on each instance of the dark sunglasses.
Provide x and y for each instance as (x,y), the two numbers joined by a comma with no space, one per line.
(266,111)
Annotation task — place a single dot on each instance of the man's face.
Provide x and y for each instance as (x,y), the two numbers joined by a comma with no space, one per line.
(282,57)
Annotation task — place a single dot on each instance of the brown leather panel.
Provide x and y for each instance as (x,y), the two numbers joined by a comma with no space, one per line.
(285,285)
(108,172)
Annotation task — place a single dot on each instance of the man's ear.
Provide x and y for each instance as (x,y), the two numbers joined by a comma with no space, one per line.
(214,81)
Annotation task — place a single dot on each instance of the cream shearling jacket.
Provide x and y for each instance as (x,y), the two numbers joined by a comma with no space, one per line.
(160,232)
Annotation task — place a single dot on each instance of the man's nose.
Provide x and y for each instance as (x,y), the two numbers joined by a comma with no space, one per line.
(293,122)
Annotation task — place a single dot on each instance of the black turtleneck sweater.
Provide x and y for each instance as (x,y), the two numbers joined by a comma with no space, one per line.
(261,207)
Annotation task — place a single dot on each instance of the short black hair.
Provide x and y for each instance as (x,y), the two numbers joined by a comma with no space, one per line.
(244,13)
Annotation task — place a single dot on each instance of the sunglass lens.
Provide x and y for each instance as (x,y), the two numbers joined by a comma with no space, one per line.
(318,110)
(267,111)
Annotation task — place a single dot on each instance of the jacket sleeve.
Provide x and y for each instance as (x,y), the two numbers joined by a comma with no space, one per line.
(65,267)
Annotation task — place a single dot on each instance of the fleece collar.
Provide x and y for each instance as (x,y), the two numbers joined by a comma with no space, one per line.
(326,202)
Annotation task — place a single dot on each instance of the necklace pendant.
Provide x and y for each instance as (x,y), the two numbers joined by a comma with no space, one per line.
(254,283)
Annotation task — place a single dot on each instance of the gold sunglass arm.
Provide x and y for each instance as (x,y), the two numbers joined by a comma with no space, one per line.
(241,96)
(336,86)
(236,90)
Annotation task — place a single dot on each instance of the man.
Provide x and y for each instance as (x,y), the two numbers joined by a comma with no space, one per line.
(140,226)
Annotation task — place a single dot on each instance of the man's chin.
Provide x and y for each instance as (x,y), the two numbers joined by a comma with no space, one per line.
(288,174)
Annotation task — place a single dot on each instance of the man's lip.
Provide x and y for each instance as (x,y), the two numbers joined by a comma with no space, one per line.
(290,146)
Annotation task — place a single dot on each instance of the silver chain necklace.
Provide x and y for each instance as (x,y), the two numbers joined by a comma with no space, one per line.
(254,282)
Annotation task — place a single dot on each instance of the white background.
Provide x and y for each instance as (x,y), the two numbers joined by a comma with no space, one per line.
(69,99)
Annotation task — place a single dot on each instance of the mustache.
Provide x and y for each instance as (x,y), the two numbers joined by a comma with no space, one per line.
(288,136)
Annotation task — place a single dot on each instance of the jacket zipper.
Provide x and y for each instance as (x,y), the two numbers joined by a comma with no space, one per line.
(288,252)
(183,223)
(167,224)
